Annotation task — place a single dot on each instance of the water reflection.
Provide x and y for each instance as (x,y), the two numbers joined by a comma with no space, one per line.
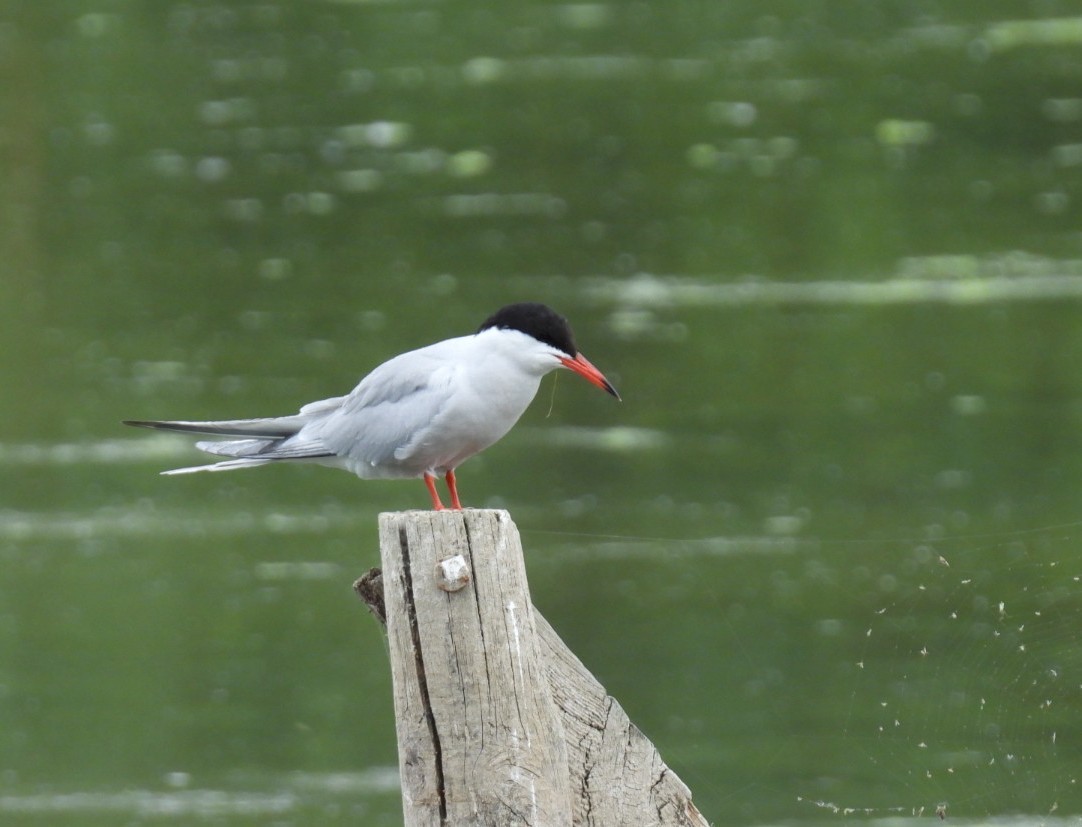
(296,795)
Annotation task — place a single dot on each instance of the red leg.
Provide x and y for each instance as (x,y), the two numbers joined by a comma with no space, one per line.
(430,481)
(453,488)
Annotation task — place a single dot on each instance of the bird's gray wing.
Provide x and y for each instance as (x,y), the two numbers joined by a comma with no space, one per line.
(277,427)
(272,427)
(392,409)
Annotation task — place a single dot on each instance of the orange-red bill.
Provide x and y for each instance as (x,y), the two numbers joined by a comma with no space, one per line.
(581,365)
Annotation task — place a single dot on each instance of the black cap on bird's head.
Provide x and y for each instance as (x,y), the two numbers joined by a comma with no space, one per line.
(537,320)
(548,327)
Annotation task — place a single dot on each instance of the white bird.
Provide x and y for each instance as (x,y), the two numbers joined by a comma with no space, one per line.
(420,414)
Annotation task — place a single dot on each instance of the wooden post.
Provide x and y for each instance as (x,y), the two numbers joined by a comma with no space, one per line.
(498,723)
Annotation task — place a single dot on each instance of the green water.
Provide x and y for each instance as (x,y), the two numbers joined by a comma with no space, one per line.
(824,552)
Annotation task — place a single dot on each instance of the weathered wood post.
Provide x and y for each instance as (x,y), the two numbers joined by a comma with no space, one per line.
(498,723)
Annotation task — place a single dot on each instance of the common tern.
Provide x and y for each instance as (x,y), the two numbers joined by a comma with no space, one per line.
(420,414)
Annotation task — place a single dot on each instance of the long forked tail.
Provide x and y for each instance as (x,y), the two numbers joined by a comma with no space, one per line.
(227,465)
(276,427)
(264,441)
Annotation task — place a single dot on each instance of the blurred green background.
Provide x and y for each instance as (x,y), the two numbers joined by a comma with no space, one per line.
(825,551)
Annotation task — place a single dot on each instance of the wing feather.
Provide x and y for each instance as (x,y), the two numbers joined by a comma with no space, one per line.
(392,409)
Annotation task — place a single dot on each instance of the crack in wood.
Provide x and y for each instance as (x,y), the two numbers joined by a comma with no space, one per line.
(480,618)
(422,679)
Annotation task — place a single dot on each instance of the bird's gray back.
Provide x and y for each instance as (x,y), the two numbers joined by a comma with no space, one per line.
(393,406)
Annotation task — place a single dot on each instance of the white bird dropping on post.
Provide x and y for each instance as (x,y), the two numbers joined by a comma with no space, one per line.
(452,573)
(420,414)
